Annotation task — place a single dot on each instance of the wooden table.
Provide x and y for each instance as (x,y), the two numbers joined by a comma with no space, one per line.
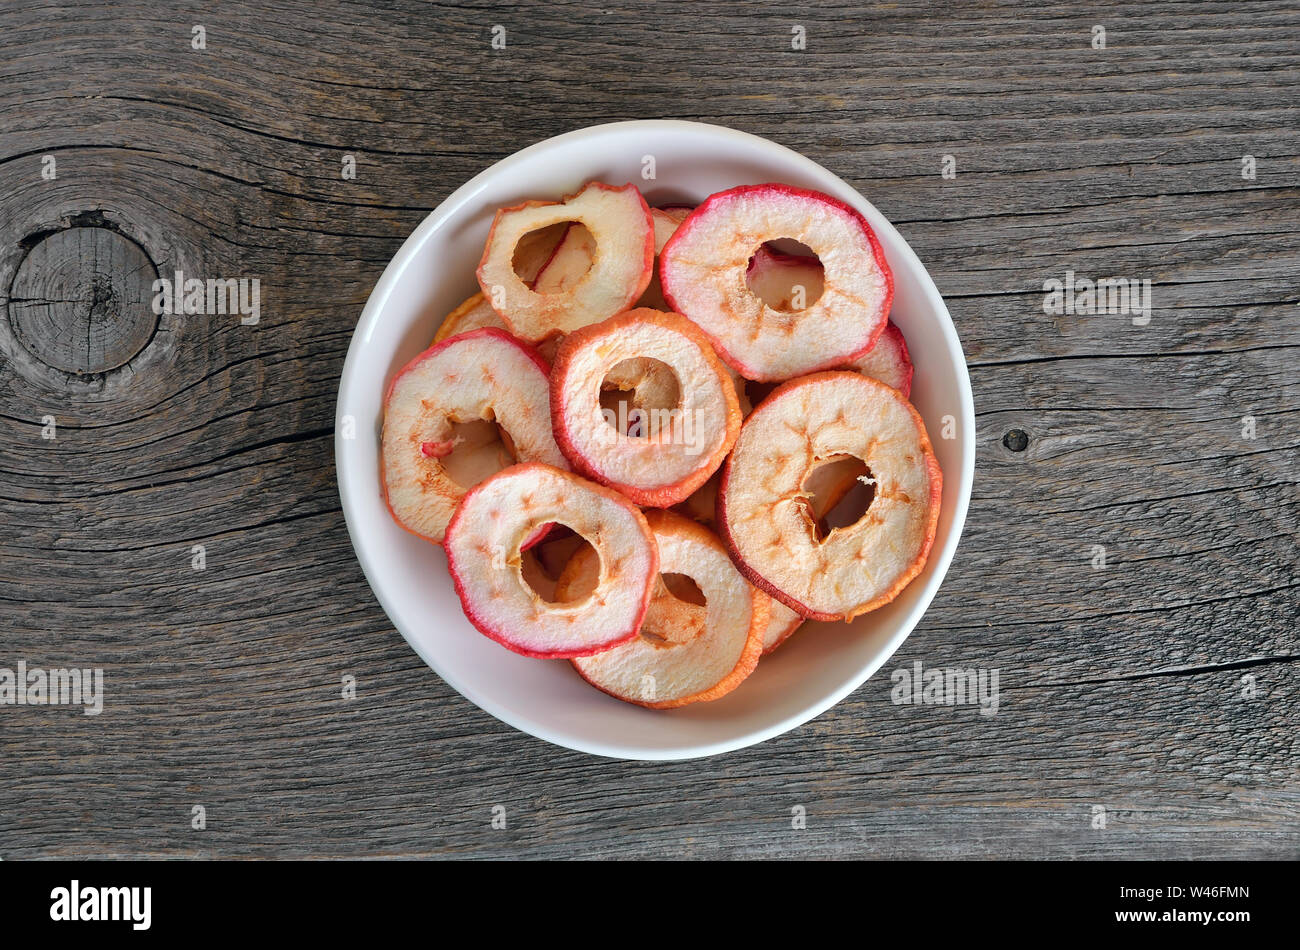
(1157,692)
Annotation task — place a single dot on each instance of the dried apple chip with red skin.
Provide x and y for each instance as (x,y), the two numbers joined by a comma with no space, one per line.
(668,462)
(532,254)
(484,375)
(475,313)
(621,229)
(887,361)
(702,506)
(827,486)
(769,526)
(703,270)
(666,222)
(685,652)
(484,556)
(569,264)
(781,623)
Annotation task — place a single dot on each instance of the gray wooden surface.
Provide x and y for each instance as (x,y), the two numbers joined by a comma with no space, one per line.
(1127,687)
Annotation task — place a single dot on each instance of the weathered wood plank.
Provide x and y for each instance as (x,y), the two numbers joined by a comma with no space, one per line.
(1122,686)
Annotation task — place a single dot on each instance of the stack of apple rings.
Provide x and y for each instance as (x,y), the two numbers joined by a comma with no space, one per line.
(657,440)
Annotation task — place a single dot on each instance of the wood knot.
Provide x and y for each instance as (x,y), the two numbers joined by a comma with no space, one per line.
(81,300)
(1017,440)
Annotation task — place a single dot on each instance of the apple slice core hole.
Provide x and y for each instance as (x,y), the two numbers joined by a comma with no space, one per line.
(677,614)
(541,569)
(476,450)
(535,248)
(638,397)
(786,275)
(841,491)
(685,589)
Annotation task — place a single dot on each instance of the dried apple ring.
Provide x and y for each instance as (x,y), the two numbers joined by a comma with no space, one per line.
(703,270)
(666,222)
(702,506)
(573,256)
(623,235)
(484,541)
(672,451)
(534,251)
(887,361)
(474,313)
(685,652)
(781,622)
(486,375)
(763,508)
(571,261)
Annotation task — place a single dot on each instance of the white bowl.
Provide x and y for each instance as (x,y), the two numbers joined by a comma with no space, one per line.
(434,271)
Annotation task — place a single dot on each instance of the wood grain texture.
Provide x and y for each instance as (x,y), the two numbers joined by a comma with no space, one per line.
(1122,687)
